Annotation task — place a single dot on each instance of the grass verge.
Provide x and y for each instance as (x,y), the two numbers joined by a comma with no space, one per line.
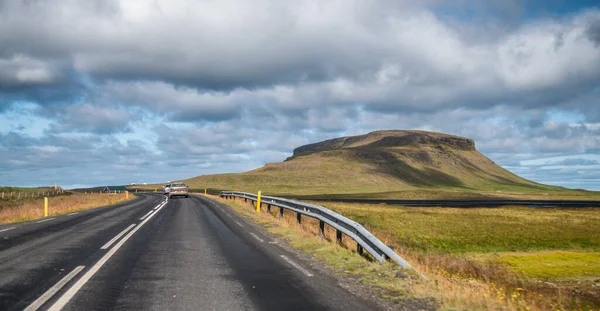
(31,209)
(474,259)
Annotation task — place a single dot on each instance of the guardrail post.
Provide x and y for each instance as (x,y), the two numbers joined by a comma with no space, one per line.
(359,249)
(338,236)
(269,208)
(321,228)
(298,218)
(281,213)
(245,199)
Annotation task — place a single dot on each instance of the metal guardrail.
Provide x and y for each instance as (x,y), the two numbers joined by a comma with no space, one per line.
(364,239)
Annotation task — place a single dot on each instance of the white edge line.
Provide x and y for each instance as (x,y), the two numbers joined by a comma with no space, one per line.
(43,220)
(228,215)
(53,290)
(72,213)
(297,266)
(239,224)
(66,297)
(7,229)
(109,243)
(257,237)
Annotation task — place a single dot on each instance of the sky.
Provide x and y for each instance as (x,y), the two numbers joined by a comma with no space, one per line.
(109,92)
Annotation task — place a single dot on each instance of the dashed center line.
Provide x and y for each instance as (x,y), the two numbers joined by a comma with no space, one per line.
(297,266)
(43,220)
(257,237)
(109,243)
(150,212)
(66,297)
(2,230)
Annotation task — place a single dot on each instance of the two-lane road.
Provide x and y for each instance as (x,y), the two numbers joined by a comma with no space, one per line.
(181,254)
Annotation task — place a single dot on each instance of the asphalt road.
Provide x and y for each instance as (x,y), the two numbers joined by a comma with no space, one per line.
(153,254)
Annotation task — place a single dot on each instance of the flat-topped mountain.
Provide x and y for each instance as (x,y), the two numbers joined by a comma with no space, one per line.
(391,138)
(392,162)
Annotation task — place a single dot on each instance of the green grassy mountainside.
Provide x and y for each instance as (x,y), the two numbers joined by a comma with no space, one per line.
(385,164)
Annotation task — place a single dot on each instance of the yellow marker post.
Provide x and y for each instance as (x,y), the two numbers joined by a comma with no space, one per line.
(45,206)
(204,191)
(258,202)
(126,195)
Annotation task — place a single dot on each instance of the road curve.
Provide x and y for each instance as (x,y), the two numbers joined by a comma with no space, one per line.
(152,254)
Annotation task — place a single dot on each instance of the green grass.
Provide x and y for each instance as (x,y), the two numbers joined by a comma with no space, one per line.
(559,265)
(480,230)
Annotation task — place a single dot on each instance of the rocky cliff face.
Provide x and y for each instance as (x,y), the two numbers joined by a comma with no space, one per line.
(386,139)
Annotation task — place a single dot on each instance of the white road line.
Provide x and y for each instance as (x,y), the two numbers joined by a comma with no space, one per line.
(148,214)
(68,295)
(43,220)
(297,266)
(257,237)
(109,243)
(53,290)
(72,214)
(7,229)
(228,215)
(239,224)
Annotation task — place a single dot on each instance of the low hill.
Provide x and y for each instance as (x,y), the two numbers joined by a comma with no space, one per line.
(396,163)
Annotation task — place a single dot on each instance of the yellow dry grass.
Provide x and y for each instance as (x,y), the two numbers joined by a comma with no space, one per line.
(34,209)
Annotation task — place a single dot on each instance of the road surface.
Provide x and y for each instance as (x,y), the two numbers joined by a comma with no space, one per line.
(158,254)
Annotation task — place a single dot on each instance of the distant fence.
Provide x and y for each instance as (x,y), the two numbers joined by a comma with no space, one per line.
(16,195)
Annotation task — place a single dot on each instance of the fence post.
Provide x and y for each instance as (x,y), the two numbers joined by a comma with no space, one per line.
(258,202)
(45,206)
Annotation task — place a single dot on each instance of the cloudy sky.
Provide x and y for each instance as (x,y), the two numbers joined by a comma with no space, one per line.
(110,92)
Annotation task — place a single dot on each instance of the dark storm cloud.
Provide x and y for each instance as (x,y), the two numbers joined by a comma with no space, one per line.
(593,31)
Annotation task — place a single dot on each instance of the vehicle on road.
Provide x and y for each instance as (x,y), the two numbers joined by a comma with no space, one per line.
(178,189)
(166,189)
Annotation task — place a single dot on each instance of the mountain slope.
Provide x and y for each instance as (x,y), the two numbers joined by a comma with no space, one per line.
(378,162)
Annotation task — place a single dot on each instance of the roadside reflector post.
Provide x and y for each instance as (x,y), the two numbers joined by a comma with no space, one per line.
(126,194)
(45,206)
(338,236)
(258,202)
(281,213)
(321,228)
(204,191)
(298,218)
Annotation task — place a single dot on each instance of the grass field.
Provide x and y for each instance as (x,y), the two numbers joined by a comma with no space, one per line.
(29,209)
(511,258)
